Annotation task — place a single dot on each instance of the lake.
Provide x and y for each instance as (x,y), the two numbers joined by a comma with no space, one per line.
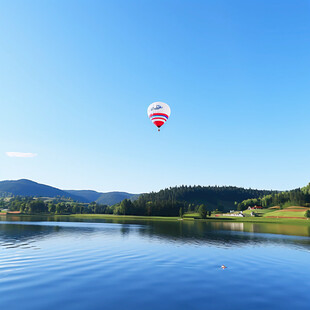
(54,263)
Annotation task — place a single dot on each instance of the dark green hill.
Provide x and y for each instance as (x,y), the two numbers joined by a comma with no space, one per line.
(26,187)
(214,197)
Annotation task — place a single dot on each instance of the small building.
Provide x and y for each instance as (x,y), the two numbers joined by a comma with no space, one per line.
(239,214)
(255,207)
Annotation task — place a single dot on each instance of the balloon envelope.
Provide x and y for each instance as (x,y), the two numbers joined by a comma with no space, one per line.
(158,112)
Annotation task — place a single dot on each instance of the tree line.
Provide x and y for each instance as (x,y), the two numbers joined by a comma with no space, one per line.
(208,195)
(173,201)
(31,205)
(295,197)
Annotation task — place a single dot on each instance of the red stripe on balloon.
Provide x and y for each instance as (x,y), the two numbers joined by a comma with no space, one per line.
(159,119)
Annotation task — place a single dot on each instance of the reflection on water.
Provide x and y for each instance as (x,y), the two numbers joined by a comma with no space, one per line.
(219,233)
(272,228)
(278,229)
(229,226)
(22,234)
(266,228)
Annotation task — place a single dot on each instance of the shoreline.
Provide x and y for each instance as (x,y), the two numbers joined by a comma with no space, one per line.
(269,220)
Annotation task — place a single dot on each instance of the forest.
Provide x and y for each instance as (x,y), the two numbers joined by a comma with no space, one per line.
(295,197)
(172,201)
(33,205)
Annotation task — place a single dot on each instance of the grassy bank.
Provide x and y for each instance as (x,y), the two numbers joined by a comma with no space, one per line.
(188,217)
(132,217)
(260,212)
(299,221)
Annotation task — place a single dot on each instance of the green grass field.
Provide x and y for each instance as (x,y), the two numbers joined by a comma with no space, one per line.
(191,215)
(289,212)
(260,212)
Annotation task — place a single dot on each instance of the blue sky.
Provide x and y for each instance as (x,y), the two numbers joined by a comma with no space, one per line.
(76,78)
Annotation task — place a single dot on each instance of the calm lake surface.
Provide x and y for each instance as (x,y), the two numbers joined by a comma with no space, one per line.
(46,263)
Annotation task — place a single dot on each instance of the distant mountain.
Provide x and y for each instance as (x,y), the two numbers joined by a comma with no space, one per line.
(109,198)
(115,197)
(89,195)
(26,187)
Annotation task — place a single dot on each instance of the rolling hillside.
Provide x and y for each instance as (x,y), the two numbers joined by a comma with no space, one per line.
(109,198)
(88,195)
(26,187)
(115,197)
(222,198)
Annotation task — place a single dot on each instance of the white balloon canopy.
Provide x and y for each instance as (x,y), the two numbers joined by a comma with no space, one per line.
(158,112)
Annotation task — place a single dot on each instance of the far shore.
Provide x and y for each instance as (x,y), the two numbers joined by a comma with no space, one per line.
(279,220)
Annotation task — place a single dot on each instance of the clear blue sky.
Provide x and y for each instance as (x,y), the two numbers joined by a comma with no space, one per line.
(76,78)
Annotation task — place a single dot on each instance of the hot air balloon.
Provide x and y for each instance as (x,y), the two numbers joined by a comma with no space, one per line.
(158,112)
